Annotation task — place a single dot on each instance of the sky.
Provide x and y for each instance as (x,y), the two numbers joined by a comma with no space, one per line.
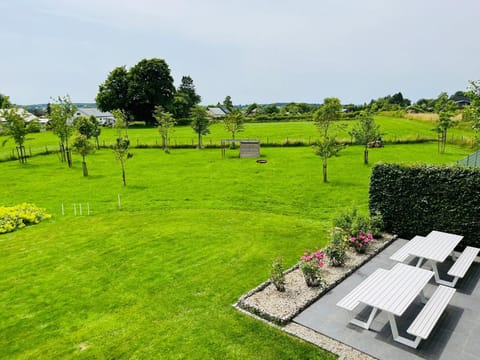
(261,51)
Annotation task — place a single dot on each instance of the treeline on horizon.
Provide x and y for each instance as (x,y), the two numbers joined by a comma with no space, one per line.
(393,102)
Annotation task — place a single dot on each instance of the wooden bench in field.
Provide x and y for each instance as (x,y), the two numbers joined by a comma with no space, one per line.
(425,321)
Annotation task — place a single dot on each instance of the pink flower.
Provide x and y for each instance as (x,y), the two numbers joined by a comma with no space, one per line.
(320,263)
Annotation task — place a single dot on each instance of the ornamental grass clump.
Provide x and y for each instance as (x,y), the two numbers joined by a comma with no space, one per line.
(277,274)
(311,264)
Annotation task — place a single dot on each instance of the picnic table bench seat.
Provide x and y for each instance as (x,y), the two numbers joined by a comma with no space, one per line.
(351,301)
(403,253)
(425,321)
(462,264)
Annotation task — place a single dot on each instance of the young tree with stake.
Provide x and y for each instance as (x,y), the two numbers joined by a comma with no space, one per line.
(200,123)
(326,118)
(122,144)
(83,146)
(365,132)
(61,115)
(17,129)
(166,122)
(233,123)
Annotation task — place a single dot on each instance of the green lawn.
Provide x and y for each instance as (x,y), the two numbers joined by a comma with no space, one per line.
(394,129)
(158,277)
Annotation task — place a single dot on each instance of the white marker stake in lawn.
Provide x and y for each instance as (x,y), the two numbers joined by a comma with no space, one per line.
(80,205)
(63,210)
(119,201)
(74,209)
(88,208)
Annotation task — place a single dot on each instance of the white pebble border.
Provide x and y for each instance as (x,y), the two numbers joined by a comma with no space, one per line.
(275,308)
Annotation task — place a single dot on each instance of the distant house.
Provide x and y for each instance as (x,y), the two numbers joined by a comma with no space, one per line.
(104,118)
(462,101)
(217,112)
(24,113)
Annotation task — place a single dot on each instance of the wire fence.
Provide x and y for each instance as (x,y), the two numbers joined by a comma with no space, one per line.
(472,160)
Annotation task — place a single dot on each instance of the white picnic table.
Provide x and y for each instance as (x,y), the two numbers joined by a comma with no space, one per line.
(393,291)
(434,248)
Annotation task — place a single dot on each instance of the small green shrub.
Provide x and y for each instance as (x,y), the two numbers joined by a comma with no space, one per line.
(361,223)
(34,126)
(277,274)
(335,251)
(353,223)
(376,224)
(345,219)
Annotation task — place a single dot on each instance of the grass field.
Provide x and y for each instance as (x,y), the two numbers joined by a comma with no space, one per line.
(394,129)
(157,278)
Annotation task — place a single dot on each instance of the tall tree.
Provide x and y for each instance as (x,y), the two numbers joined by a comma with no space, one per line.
(365,132)
(138,90)
(113,93)
(227,103)
(446,110)
(83,146)
(61,122)
(16,128)
(149,84)
(185,98)
(200,123)
(326,119)
(165,122)
(233,123)
(251,108)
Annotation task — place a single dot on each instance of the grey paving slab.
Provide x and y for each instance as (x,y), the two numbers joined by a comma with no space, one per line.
(454,337)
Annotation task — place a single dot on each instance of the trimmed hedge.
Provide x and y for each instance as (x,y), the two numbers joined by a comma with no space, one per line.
(415,200)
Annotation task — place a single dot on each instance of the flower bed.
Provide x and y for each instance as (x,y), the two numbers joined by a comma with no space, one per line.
(281,307)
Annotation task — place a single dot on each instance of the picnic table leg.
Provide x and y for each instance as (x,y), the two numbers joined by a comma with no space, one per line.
(397,337)
(423,298)
(365,324)
(437,276)
(419,262)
